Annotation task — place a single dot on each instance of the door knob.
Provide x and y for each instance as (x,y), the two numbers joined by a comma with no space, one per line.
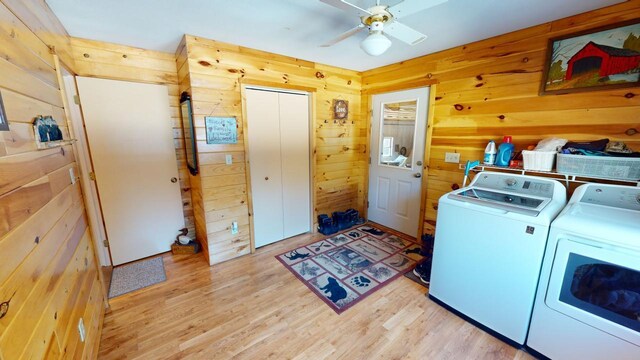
(417,175)
(266,178)
(174,180)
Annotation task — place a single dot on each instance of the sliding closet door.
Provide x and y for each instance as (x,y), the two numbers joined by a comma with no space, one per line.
(294,147)
(278,134)
(263,114)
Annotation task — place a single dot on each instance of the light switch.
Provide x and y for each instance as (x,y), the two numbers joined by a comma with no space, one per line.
(234,228)
(228,159)
(452,158)
(81,330)
(72,175)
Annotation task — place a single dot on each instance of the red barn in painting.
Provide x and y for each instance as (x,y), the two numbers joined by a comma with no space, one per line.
(607,60)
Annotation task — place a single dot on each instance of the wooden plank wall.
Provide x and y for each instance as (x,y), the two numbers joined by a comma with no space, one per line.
(489,88)
(118,62)
(213,73)
(48,271)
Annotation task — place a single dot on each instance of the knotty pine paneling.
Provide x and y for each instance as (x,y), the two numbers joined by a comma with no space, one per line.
(43,24)
(489,88)
(213,73)
(48,268)
(118,62)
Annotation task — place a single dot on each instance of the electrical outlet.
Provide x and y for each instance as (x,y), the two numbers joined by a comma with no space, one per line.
(234,228)
(72,175)
(452,157)
(228,159)
(81,330)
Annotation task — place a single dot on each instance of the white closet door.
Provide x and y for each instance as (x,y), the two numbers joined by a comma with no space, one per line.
(264,165)
(294,145)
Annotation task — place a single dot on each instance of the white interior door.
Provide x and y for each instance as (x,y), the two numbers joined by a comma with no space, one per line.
(278,135)
(128,127)
(397,152)
(294,150)
(263,122)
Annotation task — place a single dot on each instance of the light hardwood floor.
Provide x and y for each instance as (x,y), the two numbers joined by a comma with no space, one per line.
(254,308)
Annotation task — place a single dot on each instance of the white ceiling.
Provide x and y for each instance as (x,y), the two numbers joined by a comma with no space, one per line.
(296,27)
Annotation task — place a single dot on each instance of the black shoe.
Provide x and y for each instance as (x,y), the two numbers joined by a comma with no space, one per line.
(423,271)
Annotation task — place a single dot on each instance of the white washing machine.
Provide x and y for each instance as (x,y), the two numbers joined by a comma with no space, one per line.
(588,300)
(489,245)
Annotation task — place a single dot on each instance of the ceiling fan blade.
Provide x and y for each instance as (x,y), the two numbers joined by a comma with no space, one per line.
(408,7)
(348,7)
(343,36)
(404,33)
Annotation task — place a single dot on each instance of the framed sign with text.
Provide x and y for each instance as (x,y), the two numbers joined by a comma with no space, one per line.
(340,109)
(221,130)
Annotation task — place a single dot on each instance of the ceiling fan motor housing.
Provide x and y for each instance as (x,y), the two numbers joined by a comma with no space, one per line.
(378,14)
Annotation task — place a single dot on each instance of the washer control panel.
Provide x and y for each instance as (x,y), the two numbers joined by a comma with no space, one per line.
(516,184)
(623,197)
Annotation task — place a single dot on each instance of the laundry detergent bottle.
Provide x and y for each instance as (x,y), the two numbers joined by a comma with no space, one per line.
(505,151)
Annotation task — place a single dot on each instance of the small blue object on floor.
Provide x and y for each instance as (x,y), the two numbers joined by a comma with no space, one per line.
(137,275)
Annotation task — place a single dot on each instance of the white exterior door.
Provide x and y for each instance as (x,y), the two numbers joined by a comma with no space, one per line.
(278,133)
(398,133)
(130,137)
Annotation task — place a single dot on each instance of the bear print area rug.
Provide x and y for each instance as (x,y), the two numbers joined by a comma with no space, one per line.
(347,267)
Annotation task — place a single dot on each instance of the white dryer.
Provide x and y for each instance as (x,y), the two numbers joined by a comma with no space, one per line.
(489,244)
(588,300)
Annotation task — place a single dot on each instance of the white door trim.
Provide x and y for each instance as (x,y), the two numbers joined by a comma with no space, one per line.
(83,157)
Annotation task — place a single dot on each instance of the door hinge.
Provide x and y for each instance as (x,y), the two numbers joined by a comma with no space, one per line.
(92,176)
(367,204)
(369,160)
(105,243)
(76,99)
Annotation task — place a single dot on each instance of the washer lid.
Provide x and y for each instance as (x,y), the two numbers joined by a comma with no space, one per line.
(512,202)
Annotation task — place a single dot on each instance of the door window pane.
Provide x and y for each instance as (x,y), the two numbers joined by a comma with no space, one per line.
(606,290)
(397,133)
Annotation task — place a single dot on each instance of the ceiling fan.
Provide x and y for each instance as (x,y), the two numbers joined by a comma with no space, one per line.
(381,20)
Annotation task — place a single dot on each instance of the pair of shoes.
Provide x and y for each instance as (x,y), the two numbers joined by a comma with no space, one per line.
(423,271)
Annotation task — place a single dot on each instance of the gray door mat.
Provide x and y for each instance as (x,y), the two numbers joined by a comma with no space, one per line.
(137,275)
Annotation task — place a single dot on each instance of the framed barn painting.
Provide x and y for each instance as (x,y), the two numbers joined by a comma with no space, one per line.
(596,59)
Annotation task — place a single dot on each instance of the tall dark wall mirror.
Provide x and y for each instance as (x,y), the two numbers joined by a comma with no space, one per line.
(4,123)
(189,131)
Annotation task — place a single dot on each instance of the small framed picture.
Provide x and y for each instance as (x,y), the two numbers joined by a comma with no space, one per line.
(4,123)
(597,59)
(340,109)
(221,130)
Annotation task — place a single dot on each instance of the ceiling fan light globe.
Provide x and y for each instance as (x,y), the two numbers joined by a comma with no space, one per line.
(375,44)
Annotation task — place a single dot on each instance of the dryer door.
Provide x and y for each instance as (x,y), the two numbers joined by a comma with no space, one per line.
(597,284)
